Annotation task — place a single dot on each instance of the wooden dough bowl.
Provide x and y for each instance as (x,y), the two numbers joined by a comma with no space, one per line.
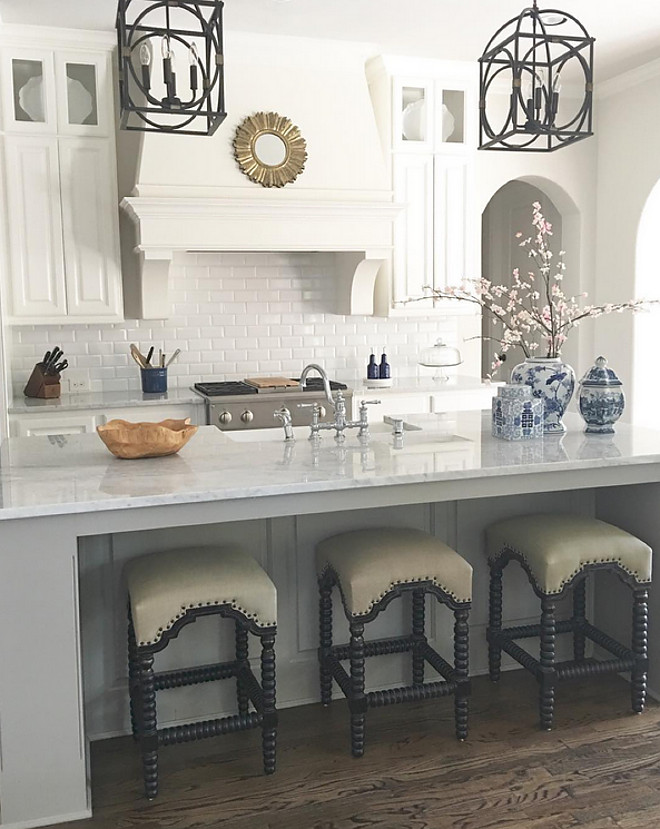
(145,440)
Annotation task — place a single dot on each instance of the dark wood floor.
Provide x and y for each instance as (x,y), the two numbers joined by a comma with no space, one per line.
(599,769)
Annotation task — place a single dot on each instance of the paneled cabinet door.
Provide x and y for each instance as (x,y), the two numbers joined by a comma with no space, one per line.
(413,231)
(89,220)
(35,227)
(453,222)
(53,424)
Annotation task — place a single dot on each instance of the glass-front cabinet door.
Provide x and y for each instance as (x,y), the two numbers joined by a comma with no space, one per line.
(28,91)
(82,106)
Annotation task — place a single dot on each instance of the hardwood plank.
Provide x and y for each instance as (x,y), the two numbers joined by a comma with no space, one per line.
(599,769)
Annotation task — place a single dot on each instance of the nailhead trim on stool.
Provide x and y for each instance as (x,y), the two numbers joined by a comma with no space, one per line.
(455,679)
(547,671)
(144,683)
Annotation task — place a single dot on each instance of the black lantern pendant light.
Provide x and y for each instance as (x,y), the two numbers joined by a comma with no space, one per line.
(171,65)
(522,71)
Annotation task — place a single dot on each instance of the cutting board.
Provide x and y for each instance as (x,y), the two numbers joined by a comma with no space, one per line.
(271,382)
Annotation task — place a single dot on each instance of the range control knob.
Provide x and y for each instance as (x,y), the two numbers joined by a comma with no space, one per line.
(322,411)
(247,416)
(225,418)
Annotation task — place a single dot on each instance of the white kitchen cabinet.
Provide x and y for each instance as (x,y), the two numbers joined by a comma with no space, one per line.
(463,397)
(90,228)
(62,203)
(392,403)
(157,412)
(465,400)
(427,116)
(57,90)
(86,420)
(28,90)
(36,249)
(54,423)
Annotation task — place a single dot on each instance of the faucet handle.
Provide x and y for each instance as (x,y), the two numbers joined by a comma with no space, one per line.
(282,414)
(366,403)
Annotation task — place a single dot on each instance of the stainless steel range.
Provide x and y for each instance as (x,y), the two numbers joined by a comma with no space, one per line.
(234,405)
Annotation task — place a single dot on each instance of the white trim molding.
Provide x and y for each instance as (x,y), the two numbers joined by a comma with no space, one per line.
(619,83)
(359,233)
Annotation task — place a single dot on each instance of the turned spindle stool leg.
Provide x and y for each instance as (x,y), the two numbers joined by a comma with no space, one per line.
(461,657)
(133,678)
(640,649)
(269,725)
(241,659)
(579,617)
(418,635)
(325,642)
(547,696)
(358,701)
(148,732)
(495,622)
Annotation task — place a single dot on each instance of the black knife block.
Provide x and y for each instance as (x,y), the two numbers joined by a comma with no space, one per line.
(42,385)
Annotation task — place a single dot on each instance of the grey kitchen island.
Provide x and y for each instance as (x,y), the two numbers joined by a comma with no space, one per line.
(71,514)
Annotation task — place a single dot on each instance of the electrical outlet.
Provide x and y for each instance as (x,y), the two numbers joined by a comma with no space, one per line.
(77,383)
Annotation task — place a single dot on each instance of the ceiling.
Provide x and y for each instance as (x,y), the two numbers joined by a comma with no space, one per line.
(626,36)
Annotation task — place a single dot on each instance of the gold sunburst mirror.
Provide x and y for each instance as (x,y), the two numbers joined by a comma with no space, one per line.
(269,149)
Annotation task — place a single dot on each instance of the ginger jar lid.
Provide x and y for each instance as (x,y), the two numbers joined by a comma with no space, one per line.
(600,375)
(515,391)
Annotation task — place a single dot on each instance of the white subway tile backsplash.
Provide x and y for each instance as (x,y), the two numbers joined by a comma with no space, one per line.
(237,315)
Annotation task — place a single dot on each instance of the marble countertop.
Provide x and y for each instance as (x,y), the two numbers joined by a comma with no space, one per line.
(103,400)
(418,385)
(69,474)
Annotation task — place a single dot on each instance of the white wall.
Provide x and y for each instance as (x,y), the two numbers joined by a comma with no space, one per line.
(628,125)
(320,85)
(239,315)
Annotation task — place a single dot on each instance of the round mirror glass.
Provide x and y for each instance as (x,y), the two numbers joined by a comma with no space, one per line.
(270,149)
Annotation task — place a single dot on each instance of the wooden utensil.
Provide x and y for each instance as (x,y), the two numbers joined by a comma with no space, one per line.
(138,356)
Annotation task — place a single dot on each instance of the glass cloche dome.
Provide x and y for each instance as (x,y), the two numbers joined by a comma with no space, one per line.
(440,356)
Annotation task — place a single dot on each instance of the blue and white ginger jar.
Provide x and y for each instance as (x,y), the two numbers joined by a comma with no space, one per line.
(601,399)
(517,414)
(553,382)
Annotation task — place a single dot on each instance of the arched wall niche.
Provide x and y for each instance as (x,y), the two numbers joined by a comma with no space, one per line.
(509,210)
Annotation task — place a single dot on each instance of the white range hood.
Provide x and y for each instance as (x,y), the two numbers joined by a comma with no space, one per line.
(190,195)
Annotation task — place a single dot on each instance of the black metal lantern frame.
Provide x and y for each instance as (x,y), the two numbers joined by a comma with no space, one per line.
(531,54)
(155,94)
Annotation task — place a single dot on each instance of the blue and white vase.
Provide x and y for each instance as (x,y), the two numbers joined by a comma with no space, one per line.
(517,414)
(601,399)
(553,382)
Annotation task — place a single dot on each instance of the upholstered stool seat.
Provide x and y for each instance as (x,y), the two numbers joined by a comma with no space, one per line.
(371,568)
(558,552)
(167,591)
(163,587)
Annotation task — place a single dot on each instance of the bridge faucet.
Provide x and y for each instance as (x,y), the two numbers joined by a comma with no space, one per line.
(324,377)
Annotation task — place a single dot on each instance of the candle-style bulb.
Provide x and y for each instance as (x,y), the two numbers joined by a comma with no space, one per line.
(145,61)
(165,49)
(145,55)
(538,91)
(193,57)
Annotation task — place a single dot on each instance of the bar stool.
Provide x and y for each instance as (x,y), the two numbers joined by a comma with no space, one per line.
(558,552)
(171,589)
(370,568)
